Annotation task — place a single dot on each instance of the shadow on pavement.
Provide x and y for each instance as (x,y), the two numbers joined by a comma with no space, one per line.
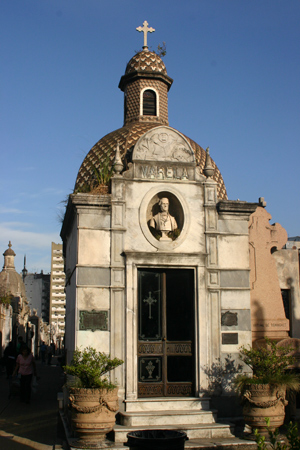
(33,426)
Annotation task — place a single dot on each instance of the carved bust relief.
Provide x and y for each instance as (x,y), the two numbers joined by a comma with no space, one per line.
(163,144)
(165,217)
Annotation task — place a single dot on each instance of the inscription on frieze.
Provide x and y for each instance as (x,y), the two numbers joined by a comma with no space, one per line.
(259,324)
(230,338)
(93,320)
(229,319)
(152,172)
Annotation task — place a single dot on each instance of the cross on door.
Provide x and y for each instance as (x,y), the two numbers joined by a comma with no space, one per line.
(150,300)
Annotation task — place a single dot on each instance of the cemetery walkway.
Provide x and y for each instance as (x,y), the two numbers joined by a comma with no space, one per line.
(33,426)
(37,426)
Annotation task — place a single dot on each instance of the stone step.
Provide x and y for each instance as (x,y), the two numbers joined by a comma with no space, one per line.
(200,431)
(166,418)
(215,436)
(167,404)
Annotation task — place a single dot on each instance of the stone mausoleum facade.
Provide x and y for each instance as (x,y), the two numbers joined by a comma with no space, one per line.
(158,268)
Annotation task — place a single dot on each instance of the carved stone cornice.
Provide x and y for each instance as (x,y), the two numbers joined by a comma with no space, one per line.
(173,259)
(236,207)
(133,76)
(81,200)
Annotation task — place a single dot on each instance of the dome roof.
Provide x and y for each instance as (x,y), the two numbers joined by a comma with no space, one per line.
(146,61)
(9,252)
(104,150)
(145,72)
(11,283)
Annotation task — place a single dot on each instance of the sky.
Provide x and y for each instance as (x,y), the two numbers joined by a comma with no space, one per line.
(236,71)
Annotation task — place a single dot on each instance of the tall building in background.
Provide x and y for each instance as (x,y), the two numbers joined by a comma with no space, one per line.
(57,295)
(37,287)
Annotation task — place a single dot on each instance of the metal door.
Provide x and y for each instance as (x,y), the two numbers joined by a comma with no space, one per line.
(166,333)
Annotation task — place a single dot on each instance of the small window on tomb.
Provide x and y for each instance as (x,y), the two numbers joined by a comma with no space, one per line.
(149,103)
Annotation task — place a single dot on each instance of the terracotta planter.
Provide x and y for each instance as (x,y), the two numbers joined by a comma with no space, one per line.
(92,414)
(263,400)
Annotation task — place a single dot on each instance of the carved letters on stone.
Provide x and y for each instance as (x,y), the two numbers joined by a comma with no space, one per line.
(164,173)
(163,144)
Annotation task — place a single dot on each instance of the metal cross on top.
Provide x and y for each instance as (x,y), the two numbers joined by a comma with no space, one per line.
(145,30)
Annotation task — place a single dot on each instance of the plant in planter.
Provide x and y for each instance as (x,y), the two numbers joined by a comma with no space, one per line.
(264,392)
(93,398)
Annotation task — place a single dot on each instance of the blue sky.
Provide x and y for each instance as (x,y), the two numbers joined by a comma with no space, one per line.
(236,71)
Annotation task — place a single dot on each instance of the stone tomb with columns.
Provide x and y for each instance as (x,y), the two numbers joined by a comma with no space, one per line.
(157,269)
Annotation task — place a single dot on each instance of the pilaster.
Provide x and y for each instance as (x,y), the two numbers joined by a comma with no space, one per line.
(117,288)
(212,264)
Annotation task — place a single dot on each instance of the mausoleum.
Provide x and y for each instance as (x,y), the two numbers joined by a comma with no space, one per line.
(157,267)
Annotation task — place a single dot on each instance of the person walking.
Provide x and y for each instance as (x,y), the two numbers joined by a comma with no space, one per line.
(10,356)
(49,354)
(53,348)
(43,352)
(26,367)
(20,344)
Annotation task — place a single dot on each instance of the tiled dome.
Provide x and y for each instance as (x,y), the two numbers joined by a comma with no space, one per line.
(144,71)
(146,61)
(127,137)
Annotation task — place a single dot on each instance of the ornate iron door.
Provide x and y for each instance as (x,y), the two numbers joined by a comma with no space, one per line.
(166,333)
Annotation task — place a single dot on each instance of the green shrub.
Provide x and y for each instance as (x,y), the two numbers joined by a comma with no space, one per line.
(270,365)
(89,368)
(292,436)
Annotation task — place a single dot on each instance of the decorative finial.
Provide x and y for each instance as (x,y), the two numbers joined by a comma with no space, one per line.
(9,244)
(208,169)
(145,30)
(118,165)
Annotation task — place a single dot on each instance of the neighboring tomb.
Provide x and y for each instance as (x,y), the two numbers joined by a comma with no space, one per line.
(267,311)
(14,309)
